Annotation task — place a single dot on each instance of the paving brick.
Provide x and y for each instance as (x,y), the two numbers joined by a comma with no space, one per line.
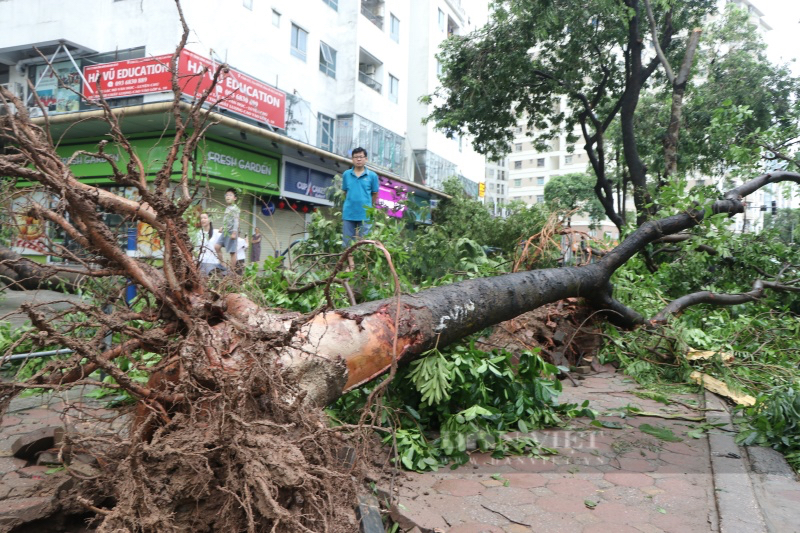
(606,527)
(616,513)
(629,479)
(9,421)
(517,528)
(11,464)
(531,464)
(20,510)
(459,487)
(34,472)
(473,527)
(556,522)
(635,465)
(508,495)
(525,481)
(573,487)
(562,504)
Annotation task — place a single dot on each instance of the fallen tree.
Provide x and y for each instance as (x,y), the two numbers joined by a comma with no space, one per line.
(228,433)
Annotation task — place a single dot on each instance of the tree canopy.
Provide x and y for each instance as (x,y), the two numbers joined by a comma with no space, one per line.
(626,100)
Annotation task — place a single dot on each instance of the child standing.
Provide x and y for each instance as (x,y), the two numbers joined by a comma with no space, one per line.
(230,227)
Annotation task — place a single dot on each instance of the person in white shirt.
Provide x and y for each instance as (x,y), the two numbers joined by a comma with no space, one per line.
(208,257)
(241,255)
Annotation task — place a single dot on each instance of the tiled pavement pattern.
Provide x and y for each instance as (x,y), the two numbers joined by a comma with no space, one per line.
(604,480)
(28,491)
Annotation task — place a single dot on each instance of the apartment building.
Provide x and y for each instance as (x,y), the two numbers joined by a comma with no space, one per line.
(309,81)
(530,169)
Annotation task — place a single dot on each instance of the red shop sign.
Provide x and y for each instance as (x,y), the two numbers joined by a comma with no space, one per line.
(128,78)
(235,91)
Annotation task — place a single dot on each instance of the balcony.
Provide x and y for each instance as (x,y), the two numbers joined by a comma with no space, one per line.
(372,10)
(369,81)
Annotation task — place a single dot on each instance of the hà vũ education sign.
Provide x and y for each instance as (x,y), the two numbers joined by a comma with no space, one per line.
(235,91)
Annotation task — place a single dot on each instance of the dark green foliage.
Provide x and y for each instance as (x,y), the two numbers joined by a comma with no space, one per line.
(461,398)
(775,421)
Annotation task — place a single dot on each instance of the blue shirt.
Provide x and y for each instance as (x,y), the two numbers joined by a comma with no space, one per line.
(359,191)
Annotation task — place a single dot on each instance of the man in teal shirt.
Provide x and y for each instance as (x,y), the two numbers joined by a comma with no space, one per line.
(360,186)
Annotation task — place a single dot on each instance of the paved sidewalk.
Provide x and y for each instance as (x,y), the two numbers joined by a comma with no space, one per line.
(610,480)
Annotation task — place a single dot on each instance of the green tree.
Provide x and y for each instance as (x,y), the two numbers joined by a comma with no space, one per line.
(574,191)
(732,72)
(593,55)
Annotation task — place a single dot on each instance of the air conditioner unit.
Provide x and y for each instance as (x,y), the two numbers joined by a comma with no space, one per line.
(369,70)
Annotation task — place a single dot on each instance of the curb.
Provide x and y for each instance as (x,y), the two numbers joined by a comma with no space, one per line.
(738,507)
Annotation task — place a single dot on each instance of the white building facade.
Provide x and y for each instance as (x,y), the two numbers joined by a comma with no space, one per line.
(347,73)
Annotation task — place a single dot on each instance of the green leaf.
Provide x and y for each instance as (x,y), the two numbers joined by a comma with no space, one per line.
(660,433)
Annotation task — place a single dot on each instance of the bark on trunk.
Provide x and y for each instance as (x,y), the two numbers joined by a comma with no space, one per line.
(21,274)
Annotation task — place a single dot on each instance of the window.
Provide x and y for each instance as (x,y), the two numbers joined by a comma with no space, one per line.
(517,165)
(567,159)
(394,88)
(394,28)
(441,20)
(248,4)
(518,147)
(540,162)
(299,42)
(518,183)
(276,19)
(333,3)
(540,180)
(519,129)
(438,68)
(501,175)
(540,199)
(325,132)
(491,172)
(700,183)
(327,60)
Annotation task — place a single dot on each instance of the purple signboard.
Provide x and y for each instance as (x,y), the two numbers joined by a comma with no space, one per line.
(390,194)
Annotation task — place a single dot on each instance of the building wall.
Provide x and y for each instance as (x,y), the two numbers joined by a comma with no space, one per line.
(258,42)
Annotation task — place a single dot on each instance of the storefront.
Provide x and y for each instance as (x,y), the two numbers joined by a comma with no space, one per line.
(282,218)
(222,165)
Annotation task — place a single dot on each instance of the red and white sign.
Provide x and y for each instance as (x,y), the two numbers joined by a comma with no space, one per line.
(235,91)
(128,78)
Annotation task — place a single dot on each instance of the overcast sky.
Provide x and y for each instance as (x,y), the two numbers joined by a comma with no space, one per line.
(784,39)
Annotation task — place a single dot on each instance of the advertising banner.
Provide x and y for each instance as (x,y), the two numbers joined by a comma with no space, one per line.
(235,91)
(306,182)
(390,194)
(238,167)
(58,96)
(152,154)
(128,78)
(28,235)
